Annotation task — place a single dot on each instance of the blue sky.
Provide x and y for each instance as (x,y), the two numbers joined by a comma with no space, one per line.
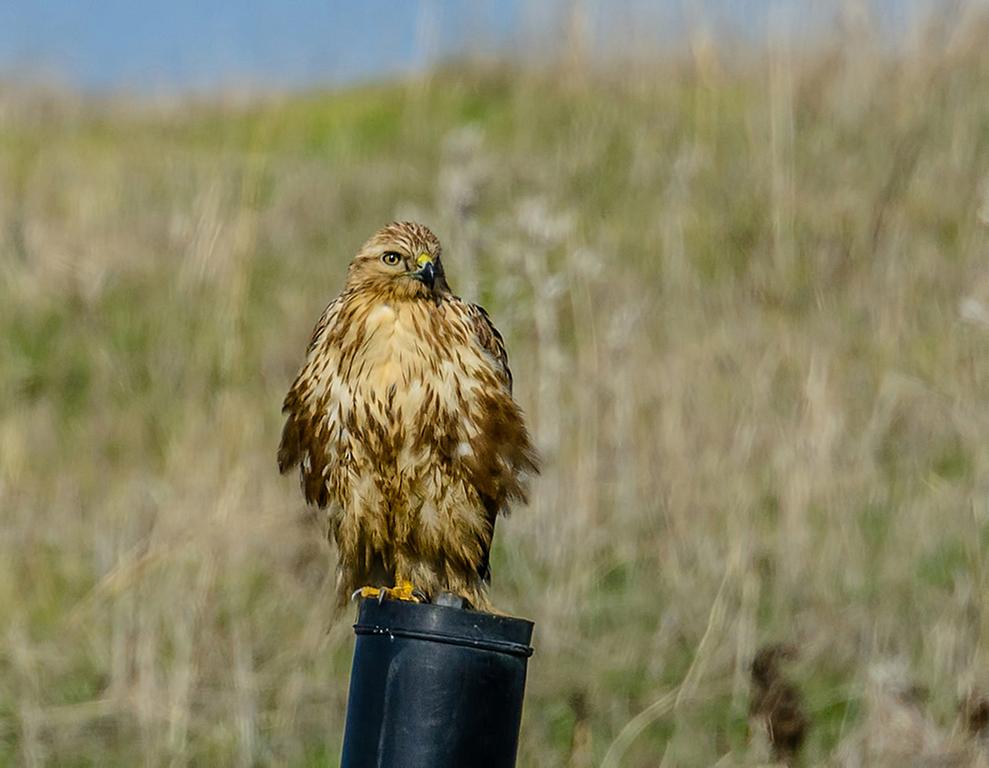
(144,44)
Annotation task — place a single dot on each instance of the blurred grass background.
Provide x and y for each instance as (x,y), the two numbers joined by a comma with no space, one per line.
(746,299)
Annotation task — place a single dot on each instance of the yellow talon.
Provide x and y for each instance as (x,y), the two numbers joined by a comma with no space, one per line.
(403,590)
(370,592)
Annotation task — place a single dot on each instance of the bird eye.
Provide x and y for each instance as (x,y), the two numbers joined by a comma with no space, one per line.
(391,258)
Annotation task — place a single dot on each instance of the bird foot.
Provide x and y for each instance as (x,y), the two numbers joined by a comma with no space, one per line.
(403,590)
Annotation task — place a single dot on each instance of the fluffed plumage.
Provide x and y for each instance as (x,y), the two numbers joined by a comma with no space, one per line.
(403,424)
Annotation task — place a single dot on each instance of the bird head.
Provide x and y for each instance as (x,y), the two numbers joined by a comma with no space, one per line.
(400,261)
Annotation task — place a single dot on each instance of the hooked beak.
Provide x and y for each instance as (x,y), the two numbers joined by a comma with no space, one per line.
(426,273)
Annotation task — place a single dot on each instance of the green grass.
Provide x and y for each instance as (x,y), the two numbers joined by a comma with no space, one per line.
(732,302)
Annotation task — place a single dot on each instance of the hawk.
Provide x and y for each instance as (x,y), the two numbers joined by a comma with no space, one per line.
(404,428)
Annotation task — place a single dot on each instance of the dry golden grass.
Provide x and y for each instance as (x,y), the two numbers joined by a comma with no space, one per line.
(747,304)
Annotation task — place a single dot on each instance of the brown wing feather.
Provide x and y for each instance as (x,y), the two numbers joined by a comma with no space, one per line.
(504,454)
(490,339)
(304,423)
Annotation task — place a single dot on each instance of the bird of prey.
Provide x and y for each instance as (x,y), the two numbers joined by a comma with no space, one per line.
(404,427)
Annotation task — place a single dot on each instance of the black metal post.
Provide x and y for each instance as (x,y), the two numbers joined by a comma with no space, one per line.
(435,687)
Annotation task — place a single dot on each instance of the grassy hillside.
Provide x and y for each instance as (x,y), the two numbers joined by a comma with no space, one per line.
(747,306)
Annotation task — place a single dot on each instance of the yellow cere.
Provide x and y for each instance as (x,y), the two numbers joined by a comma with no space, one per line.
(424,259)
